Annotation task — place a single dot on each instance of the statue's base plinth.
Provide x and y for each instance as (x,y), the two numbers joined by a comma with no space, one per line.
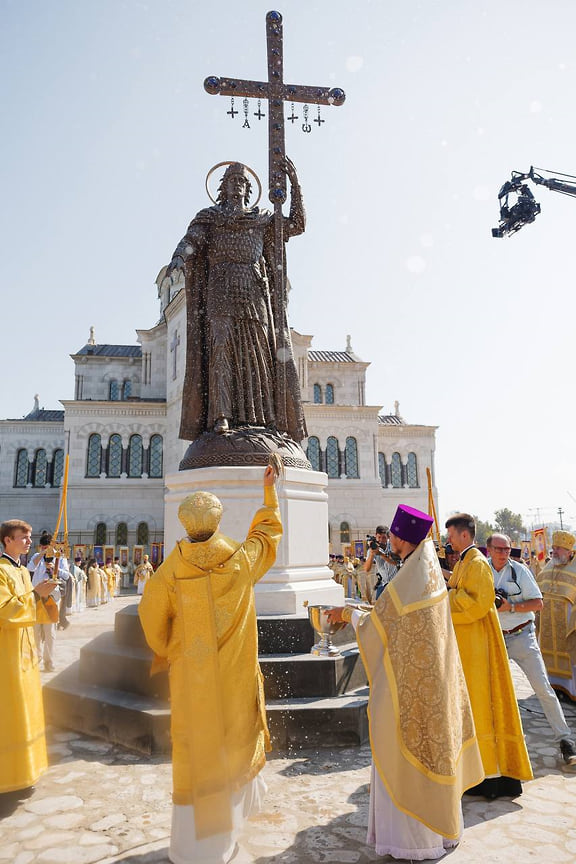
(301,575)
(247,445)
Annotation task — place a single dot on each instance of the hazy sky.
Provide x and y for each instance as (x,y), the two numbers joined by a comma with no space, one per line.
(108,135)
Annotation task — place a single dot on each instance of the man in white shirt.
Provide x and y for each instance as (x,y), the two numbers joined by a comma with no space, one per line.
(518,597)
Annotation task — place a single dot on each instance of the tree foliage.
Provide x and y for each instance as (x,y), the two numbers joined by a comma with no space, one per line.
(510,523)
(483,531)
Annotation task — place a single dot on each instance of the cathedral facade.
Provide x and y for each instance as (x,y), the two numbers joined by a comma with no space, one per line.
(121,431)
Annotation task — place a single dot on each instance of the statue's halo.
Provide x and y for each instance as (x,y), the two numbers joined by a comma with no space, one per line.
(233,162)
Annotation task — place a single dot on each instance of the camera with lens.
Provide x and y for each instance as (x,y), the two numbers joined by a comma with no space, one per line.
(372,543)
(501,595)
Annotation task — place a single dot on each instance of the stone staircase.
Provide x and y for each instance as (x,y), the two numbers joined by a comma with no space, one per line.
(311,701)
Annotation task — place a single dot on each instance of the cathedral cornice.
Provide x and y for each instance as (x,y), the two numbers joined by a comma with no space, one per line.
(330,412)
(114,409)
(416,431)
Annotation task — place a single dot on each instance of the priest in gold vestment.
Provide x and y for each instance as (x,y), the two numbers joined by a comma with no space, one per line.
(424,748)
(22,743)
(557,581)
(486,666)
(198,614)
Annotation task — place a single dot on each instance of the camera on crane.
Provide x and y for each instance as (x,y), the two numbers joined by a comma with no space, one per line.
(514,216)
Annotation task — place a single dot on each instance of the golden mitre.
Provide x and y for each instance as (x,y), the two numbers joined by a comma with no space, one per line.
(200,515)
(564,540)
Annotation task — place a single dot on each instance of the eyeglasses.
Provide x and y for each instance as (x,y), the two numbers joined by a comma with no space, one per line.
(500,548)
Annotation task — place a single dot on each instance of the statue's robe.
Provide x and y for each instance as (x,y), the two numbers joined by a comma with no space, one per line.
(424,747)
(558,625)
(198,613)
(22,743)
(487,669)
(239,359)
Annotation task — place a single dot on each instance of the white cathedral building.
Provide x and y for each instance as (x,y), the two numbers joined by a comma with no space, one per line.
(121,429)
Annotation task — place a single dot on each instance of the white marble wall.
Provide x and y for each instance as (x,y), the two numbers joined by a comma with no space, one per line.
(94,373)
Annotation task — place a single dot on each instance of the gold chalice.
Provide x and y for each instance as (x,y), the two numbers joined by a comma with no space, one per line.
(325,629)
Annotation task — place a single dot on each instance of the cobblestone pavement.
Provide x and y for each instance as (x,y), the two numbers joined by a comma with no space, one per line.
(99,803)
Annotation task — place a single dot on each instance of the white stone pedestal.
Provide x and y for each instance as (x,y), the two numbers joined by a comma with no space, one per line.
(301,573)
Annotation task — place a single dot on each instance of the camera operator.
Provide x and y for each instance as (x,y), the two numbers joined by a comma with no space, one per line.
(518,597)
(380,555)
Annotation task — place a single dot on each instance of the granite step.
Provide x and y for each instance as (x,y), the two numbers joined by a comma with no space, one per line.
(143,723)
(105,663)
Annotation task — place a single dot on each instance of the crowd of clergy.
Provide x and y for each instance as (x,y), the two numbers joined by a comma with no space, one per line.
(434,634)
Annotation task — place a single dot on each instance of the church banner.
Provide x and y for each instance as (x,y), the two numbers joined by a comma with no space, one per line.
(156,554)
(526,552)
(80,551)
(539,544)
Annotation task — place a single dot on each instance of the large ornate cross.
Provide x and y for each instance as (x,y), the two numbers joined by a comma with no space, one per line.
(276,92)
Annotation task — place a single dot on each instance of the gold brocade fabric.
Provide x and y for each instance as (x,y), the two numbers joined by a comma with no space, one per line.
(558,618)
(487,670)
(22,743)
(198,612)
(421,727)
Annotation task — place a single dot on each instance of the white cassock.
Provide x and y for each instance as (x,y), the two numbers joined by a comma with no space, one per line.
(218,849)
(392,832)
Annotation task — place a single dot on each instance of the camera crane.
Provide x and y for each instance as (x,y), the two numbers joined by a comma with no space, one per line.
(518,207)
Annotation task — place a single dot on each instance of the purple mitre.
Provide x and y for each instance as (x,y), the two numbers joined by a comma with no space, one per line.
(410,524)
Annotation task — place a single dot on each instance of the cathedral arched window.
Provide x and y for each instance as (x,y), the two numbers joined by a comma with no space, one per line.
(57,467)
(155,454)
(351,458)
(396,471)
(135,456)
(21,472)
(40,468)
(100,534)
(382,469)
(412,471)
(313,452)
(344,533)
(121,534)
(127,389)
(317,394)
(329,394)
(115,456)
(142,534)
(114,391)
(332,457)
(94,456)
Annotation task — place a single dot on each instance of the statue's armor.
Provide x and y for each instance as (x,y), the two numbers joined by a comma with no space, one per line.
(235,244)
(237,283)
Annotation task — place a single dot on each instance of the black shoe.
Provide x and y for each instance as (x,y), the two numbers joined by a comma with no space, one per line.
(568,752)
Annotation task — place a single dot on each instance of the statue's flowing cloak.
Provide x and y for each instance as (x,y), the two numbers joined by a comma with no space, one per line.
(421,728)
(289,414)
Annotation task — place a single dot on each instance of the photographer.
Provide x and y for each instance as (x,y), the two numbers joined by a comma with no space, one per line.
(41,567)
(518,597)
(380,555)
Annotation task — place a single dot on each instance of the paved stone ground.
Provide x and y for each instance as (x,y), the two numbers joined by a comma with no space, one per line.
(98,803)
